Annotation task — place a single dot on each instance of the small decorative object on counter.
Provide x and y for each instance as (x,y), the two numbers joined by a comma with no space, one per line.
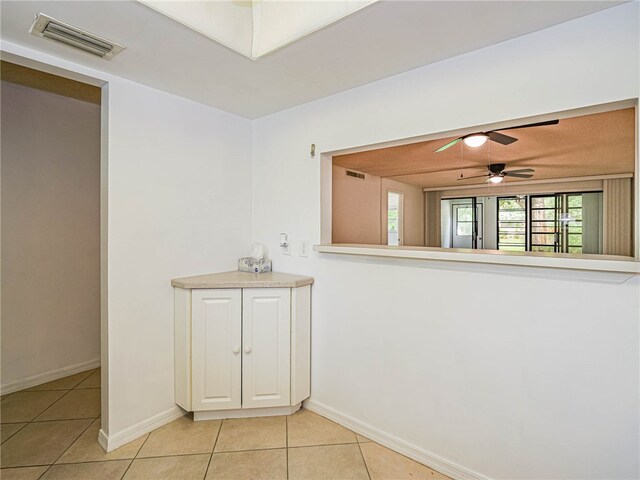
(250,264)
(256,263)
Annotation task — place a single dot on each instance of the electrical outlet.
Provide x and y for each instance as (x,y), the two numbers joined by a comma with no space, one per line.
(304,246)
(286,249)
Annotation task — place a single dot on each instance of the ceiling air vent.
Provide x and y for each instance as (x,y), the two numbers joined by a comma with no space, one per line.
(52,29)
(355,174)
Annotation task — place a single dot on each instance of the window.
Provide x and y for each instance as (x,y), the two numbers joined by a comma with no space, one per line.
(512,223)
(464,220)
(574,223)
(544,236)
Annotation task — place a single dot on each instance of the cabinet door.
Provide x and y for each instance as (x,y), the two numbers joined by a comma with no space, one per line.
(216,322)
(266,347)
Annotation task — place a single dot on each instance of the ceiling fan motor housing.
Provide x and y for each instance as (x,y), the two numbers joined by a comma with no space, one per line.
(497,168)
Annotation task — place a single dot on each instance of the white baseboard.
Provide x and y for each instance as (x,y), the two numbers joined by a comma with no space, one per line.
(116,440)
(407,449)
(33,380)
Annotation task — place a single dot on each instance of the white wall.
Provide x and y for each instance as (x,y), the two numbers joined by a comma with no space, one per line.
(50,236)
(176,178)
(179,204)
(543,384)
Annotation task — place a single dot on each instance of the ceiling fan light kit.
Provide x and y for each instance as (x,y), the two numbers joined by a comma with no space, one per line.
(497,173)
(476,140)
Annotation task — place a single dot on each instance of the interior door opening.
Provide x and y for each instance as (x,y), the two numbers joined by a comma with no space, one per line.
(52,130)
(467,223)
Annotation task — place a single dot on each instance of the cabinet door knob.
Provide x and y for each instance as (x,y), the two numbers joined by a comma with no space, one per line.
(247,349)
(236,350)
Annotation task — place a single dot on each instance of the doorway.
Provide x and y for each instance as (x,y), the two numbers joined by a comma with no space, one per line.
(395,204)
(51,239)
(467,224)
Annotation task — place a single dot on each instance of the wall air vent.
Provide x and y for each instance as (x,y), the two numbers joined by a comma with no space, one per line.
(355,174)
(52,29)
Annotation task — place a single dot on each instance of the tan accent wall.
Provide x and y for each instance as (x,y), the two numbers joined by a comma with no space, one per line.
(355,208)
(433,219)
(617,206)
(359,209)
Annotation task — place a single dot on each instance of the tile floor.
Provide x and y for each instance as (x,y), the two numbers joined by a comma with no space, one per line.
(50,432)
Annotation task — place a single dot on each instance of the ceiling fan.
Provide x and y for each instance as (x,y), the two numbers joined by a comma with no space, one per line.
(477,139)
(497,173)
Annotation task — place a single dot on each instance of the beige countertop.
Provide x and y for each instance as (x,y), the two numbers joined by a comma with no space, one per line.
(242,280)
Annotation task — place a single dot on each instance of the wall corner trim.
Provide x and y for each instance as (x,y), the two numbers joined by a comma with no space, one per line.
(407,449)
(116,440)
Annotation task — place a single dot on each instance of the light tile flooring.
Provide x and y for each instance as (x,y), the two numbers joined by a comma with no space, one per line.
(50,432)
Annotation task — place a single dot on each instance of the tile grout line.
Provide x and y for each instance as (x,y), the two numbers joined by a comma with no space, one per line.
(58,389)
(136,455)
(37,415)
(363,459)
(85,379)
(286,428)
(63,419)
(67,393)
(66,449)
(323,445)
(13,432)
(33,420)
(47,408)
(215,442)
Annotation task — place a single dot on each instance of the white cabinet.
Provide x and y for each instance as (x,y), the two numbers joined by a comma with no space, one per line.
(266,340)
(242,351)
(216,341)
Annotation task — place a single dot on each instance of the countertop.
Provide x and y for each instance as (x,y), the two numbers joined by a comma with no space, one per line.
(242,280)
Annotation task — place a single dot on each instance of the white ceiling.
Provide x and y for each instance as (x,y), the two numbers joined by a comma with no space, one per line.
(383,39)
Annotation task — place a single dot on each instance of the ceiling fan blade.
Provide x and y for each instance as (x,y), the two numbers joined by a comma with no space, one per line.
(518,175)
(521,170)
(450,144)
(476,176)
(501,139)
(530,125)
